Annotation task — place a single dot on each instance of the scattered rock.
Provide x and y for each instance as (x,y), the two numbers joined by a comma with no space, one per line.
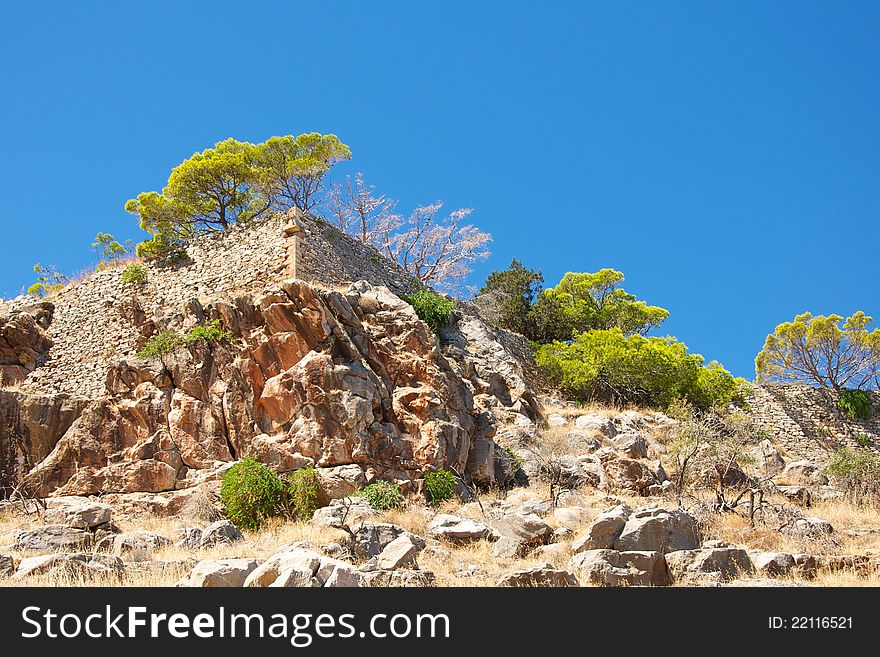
(371,538)
(131,547)
(290,568)
(400,578)
(812,529)
(800,495)
(525,502)
(85,565)
(603,531)
(77,512)
(544,575)
(628,474)
(457,529)
(597,423)
(613,568)
(570,516)
(339,482)
(800,472)
(556,420)
(352,509)
(656,529)
(189,538)
(221,531)
(768,459)
(722,563)
(400,552)
(214,573)
(53,538)
(518,533)
(631,444)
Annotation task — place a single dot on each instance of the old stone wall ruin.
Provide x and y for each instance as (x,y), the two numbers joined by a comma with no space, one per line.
(806,422)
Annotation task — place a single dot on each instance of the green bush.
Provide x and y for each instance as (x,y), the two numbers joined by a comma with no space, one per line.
(251,493)
(858,475)
(863,440)
(515,458)
(303,493)
(383,496)
(855,404)
(160,344)
(134,274)
(431,308)
(210,332)
(609,366)
(439,486)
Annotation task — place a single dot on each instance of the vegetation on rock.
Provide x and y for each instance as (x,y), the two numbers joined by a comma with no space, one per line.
(432,308)
(161,344)
(439,486)
(857,472)
(211,332)
(134,274)
(855,404)
(49,281)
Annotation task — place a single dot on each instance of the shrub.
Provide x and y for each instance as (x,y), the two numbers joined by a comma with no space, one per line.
(383,496)
(134,274)
(431,308)
(439,486)
(858,475)
(863,441)
(855,404)
(160,344)
(515,459)
(251,493)
(612,367)
(211,332)
(303,493)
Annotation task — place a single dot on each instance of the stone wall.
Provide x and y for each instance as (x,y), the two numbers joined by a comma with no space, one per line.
(99,320)
(806,422)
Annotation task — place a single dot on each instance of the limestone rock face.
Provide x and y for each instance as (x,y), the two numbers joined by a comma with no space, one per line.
(348,382)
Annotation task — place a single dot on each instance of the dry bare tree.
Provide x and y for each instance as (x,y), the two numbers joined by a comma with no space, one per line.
(356,209)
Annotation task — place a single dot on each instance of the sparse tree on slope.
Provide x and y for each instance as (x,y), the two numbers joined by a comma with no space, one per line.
(817,350)
(356,209)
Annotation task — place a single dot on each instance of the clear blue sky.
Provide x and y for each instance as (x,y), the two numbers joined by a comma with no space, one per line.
(724,156)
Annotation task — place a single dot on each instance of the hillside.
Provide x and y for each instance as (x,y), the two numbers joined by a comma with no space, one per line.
(290,343)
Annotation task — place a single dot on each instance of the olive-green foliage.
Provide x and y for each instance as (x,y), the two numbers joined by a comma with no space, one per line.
(383,496)
(160,344)
(863,441)
(609,366)
(858,475)
(251,493)
(134,274)
(439,486)
(303,493)
(107,249)
(233,182)
(515,459)
(855,404)
(49,281)
(431,308)
(211,332)
(818,350)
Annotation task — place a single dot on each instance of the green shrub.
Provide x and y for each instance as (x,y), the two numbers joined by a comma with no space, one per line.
(251,493)
(609,366)
(210,332)
(855,404)
(160,344)
(439,486)
(858,475)
(431,308)
(134,274)
(383,496)
(303,493)
(863,441)
(515,458)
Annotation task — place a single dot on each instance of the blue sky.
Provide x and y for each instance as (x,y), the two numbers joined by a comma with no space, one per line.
(724,156)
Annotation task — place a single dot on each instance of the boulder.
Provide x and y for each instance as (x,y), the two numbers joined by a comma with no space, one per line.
(81,565)
(811,529)
(457,529)
(556,420)
(594,422)
(800,472)
(631,421)
(53,538)
(768,459)
(76,512)
(293,568)
(189,538)
(525,502)
(215,573)
(631,444)
(400,552)
(400,578)
(339,482)
(518,533)
(131,547)
(656,529)
(603,531)
(371,538)
(544,575)
(220,532)
(613,568)
(800,495)
(720,563)
(772,564)
(350,509)
(570,517)
(628,474)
